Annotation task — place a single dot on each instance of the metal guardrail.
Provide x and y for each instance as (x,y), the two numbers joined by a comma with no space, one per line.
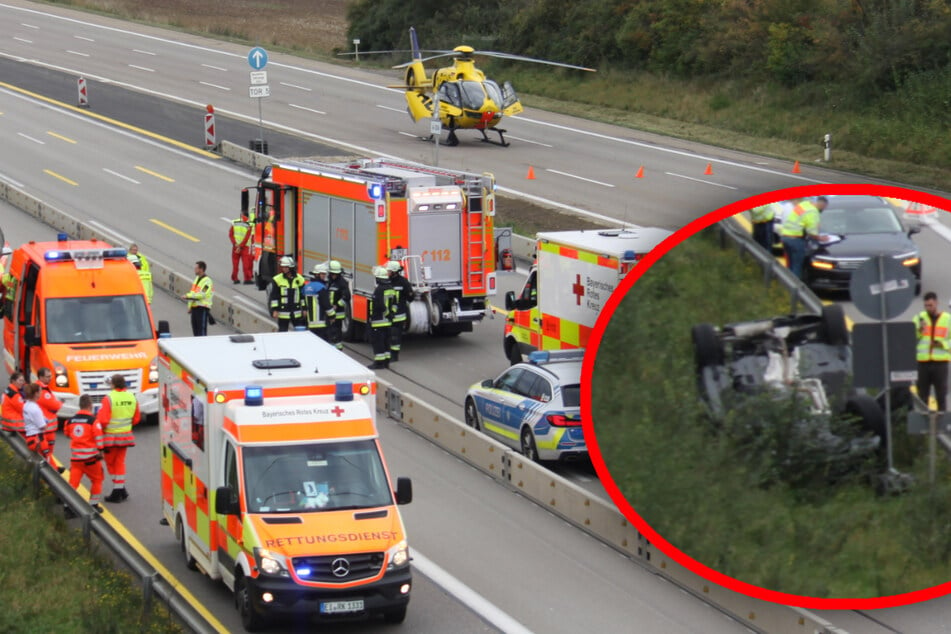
(592,514)
(799,294)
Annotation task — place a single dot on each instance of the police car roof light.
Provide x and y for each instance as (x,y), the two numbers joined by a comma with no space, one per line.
(539,356)
(343,391)
(253,395)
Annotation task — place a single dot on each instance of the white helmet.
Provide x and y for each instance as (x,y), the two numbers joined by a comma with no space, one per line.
(287,261)
(394,266)
(334,267)
(319,269)
(380,273)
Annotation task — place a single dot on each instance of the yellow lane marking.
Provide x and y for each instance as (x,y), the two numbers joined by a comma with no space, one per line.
(174,230)
(61,177)
(120,124)
(144,552)
(155,174)
(61,137)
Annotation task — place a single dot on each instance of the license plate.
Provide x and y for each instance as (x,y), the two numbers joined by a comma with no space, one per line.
(341,607)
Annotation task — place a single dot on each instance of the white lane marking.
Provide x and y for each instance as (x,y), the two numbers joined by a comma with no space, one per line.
(148,70)
(13,182)
(294,105)
(205,83)
(119,238)
(466,595)
(23,39)
(85,39)
(580,178)
(407,134)
(30,26)
(224,70)
(122,176)
(284,83)
(518,138)
(77,53)
(139,50)
(938,228)
(699,180)
(228,220)
(29,138)
(389,108)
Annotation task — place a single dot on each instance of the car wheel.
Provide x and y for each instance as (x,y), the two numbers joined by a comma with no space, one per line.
(706,346)
(250,619)
(190,562)
(529,450)
(472,415)
(395,616)
(513,352)
(833,329)
(871,417)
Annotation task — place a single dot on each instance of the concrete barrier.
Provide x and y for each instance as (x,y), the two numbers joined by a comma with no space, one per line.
(593,514)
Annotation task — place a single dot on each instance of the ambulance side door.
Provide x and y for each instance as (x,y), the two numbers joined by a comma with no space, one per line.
(25,309)
(228,526)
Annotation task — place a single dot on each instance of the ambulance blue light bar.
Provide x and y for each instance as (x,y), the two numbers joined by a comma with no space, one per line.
(343,391)
(253,395)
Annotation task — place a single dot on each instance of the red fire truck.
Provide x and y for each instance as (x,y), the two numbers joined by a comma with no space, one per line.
(362,213)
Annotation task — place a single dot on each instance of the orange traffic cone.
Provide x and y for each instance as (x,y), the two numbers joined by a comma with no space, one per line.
(640,172)
(795,167)
(531,173)
(709,169)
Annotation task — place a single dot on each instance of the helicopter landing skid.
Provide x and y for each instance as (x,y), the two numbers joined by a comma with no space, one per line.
(451,140)
(501,141)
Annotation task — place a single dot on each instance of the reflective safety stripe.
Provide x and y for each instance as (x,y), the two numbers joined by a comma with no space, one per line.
(801,221)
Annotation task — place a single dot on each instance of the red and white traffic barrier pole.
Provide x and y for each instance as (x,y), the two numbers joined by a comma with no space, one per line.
(210,142)
(83,93)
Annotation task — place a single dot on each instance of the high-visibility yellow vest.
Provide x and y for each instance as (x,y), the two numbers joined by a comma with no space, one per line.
(240,228)
(803,220)
(763,213)
(201,292)
(122,411)
(934,338)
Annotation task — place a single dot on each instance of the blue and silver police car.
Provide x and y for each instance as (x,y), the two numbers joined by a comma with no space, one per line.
(534,407)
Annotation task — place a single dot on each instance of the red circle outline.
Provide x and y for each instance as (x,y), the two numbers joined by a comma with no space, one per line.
(594,450)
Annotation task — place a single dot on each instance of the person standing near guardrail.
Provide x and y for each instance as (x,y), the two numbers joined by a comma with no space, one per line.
(85,445)
(801,225)
(933,351)
(339,300)
(240,236)
(199,301)
(34,423)
(11,408)
(49,404)
(762,218)
(118,414)
(142,267)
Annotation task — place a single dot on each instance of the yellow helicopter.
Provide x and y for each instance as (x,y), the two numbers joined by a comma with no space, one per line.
(466,98)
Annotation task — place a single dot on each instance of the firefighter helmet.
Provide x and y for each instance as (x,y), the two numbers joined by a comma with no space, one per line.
(394,266)
(319,269)
(287,261)
(381,273)
(334,267)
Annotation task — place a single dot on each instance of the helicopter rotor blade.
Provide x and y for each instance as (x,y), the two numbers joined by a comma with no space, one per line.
(522,58)
(425,59)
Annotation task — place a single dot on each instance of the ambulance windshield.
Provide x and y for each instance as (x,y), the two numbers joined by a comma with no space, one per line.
(97,319)
(315,477)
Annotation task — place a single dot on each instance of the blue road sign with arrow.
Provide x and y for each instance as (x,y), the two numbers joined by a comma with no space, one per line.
(257,58)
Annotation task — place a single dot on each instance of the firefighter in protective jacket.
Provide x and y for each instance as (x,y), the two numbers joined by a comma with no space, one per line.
(339,299)
(317,300)
(404,294)
(380,312)
(287,295)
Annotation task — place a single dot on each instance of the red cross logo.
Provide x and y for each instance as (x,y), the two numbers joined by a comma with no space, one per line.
(337,411)
(578,289)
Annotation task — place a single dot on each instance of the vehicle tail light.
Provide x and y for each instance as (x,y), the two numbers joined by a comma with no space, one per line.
(560,420)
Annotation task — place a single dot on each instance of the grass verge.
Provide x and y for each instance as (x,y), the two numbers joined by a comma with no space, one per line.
(50,579)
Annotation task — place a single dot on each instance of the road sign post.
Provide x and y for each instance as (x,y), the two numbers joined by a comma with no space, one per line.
(257,60)
(83,94)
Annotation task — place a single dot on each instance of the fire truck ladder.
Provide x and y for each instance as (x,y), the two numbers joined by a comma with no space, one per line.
(474,236)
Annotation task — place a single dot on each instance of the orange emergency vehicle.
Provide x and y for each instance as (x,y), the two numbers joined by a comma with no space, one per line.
(78,308)
(573,275)
(273,477)
(439,223)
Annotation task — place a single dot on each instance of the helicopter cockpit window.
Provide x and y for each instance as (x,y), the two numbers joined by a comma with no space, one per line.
(473,96)
(449,92)
(495,93)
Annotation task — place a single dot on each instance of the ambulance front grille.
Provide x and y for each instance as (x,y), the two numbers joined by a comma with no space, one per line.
(97,384)
(350,567)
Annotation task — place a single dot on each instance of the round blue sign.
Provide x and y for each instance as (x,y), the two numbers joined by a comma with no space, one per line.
(257,58)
